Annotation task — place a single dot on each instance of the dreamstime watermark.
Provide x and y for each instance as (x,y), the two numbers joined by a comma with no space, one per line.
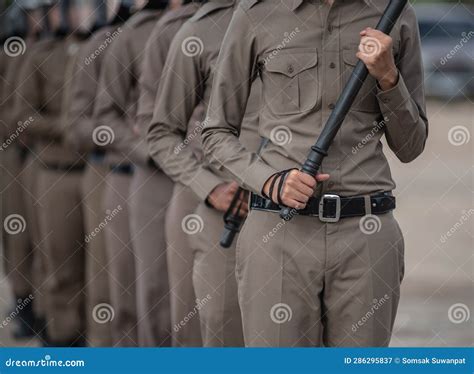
(287,38)
(110,215)
(199,305)
(459,313)
(103,313)
(370,46)
(103,135)
(192,224)
(14,46)
(459,135)
(281,313)
(266,238)
(192,46)
(376,305)
(466,214)
(22,126)
(197,130)
(281,135)
(370,224)
(14,224)
(378,126)
(465,37)
(20,305)
(46,362)
(109,38)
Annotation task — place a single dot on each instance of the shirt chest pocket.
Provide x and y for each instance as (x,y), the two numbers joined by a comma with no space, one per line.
(366,100)
(290,82)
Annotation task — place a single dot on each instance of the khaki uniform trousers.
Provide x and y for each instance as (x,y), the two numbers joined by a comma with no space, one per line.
(97,277)
(29,180)
(62,234)
(18,259)
(215,283)
(304,283)
(120,260)
(184,314)
(150,194)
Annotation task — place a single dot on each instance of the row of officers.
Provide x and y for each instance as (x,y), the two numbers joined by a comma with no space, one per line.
(129,129)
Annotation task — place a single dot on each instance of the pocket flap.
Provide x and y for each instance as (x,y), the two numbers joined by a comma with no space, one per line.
(349,56)
(292,65)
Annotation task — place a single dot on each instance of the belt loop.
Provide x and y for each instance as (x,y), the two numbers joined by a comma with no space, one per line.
(368,205)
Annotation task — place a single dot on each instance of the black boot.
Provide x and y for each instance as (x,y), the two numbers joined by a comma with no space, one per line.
(24,319)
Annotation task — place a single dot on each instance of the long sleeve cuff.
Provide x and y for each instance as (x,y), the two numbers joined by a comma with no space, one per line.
(256,176)
(204,182)
(394,99)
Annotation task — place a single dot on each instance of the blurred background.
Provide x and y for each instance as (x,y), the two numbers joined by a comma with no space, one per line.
(434,192)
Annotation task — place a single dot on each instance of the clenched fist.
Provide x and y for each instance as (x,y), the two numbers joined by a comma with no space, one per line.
(221,197)
(297,188)
(375,50)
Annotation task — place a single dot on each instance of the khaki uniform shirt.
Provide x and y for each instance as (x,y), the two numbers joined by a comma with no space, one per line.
(40,96)
(117,98)
(4,91)
(154,59)
(304,52)
(185,84)
(81,123)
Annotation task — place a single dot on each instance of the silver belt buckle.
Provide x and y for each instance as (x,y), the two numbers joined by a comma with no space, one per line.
(337,213)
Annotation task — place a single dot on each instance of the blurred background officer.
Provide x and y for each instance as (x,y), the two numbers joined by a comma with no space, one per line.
(106,19)
(178,251)
(187,79)
(59,172)
(20,25)
(115,112)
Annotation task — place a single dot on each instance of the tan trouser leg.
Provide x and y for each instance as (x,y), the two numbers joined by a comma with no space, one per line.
(215,283)
(150,194)
(29,180)
(184,318)
(18,254)
(121,260)
(61,227)
(297,279)
(97,277)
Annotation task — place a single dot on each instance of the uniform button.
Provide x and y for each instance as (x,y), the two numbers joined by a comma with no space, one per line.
(291,69)
(330,28)
(331,106)
(332,65)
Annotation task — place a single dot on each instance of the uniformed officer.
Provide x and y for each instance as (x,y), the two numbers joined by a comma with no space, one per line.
(18,244)
(115,113)
(307,282)
(105,21)
(178,253)
(185,84)
(57,185)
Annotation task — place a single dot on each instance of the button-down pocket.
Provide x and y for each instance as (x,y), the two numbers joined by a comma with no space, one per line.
(290,82)
(366,100)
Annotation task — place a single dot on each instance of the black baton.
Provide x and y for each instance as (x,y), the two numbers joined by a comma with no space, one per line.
(320,149)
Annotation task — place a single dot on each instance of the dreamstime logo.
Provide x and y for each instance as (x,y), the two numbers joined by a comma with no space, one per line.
(459,313)
(14,224)
(14,46)
(192,224)
(466,215)
(192,46)
(22,126)
(370,224)
(103,313)
(370,46)
(465,37)
(281,135)
(109,38)
(459,135)
(103,135)
(281,313)
(376,305)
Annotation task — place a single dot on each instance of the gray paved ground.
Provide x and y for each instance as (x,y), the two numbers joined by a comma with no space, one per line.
(433,193)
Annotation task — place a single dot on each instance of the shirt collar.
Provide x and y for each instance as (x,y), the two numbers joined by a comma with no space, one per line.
(297,3)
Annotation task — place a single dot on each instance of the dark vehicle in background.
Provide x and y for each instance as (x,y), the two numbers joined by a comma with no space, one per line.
(447,38)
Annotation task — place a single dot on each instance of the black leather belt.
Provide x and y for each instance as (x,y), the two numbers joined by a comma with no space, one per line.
(65,168)
(331,208)
(122,169)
